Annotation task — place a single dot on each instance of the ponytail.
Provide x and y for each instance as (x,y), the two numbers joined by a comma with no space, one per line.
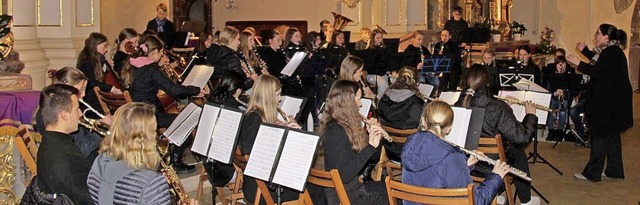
(437,117)
(621,36)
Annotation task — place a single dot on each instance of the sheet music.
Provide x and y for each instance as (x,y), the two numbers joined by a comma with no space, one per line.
(366,105)
(205,129)
(264,152)
(293,63)
(183,125)
(291,106)
(460,126)
(450,97)
(524,84)
(518,110)
(295,160)
(543,99)
(224,136)
(199,76)
(425,89)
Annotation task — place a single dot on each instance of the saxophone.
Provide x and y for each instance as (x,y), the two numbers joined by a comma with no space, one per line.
(178,194)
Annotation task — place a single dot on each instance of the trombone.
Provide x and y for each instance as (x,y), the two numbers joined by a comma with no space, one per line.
(93,124)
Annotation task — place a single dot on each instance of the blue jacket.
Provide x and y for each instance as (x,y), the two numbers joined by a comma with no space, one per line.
(427,161)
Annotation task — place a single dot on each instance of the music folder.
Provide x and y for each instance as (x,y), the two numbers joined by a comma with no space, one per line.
(182,126)
(292,106)
(198,76)
(366,106)
(425,89)
(449,97)
(536,97)
(293,64)
(467,127)
(282,156)
(217,133)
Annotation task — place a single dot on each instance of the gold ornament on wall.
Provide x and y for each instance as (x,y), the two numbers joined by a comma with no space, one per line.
(351,3)
(7,174)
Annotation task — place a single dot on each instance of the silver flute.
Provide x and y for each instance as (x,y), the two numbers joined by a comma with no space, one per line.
(486,159)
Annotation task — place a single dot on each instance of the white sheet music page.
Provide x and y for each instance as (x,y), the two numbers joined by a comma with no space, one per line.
(518,110)
(425,89)
(524,84)
(293,63)
(185,125)
(224,136)
(449,97)
(460,126)
(264,151)
(366,105)
(205,129)
(295,160)
(290,106)
(199,76)
(543,99)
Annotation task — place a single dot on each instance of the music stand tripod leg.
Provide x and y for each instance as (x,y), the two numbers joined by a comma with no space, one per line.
(535,155)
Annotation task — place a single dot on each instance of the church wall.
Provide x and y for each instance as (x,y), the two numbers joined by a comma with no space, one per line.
(118,14)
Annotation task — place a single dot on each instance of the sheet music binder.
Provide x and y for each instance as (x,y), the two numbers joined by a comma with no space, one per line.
(294,63)
(366,106)
(199,76)
(283,160)
(536,97)
(217,134)
(186,121)
(467,127)
(436,64)
(292,106)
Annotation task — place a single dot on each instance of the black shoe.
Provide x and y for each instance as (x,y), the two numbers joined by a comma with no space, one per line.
(366,174)
(182,168)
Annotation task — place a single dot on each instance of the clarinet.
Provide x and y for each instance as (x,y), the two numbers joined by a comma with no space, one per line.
(486,159)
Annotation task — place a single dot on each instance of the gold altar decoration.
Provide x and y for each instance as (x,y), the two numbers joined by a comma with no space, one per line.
(7,167)
(351,3)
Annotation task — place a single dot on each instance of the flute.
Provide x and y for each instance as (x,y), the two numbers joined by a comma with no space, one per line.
(486,159)
(520,102)
(385,135)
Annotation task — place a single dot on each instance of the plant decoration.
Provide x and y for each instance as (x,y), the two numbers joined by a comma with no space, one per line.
(6,37)
(547,44)
(481,22)
(517,27)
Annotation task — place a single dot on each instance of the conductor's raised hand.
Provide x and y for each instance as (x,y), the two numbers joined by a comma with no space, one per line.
(581,45)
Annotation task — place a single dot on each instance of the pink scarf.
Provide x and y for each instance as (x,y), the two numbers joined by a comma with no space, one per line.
(139,62)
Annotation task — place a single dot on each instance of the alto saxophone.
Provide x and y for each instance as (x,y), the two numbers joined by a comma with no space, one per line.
(287,119)
(178,193)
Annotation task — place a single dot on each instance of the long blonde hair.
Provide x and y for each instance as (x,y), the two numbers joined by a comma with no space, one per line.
(437,117)
(133,136)
(349,66)
(341,107)
(227,35)
(248,52)
(263,100)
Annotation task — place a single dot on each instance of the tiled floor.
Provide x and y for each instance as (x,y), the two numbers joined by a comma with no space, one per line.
(569,158)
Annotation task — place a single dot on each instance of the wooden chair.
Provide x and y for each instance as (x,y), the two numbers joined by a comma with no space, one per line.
(398,190)
(398,135)
(391,167)
(109,101)
(325,179)
(493,145)
(239,162)
(27,148)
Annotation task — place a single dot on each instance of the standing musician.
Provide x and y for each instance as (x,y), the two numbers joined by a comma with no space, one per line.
(314,78)
(609,101)
(162,26)
(376,62)
(62,169)
(337,40)
(352,69)
(325,27)
(429,161)
(92,62)
(124,50)
(271,54)
(499,119)
(222,55)
(365,38)
(451,49)
(126,171)
(293,84)
(347,146)
(143,78)
(262,107)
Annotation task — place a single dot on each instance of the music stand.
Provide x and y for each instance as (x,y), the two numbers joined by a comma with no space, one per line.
(567,82)
(436,64)
(511,73)
(194,27)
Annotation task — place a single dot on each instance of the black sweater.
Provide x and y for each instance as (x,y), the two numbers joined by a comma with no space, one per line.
(223,58)
(118,61)
(276,60)
(62,168)
(169,31)
(412,55)
(149,79)
(90,96)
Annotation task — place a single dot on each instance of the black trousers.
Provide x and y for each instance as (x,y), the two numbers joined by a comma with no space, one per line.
(603,148)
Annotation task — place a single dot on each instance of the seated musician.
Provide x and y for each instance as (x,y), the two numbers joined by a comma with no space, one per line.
(499,119)
(364,39)
(249,58)
(271,54)
(143,78)
(352,69)
(127,35)
(87,140)
(292,86)
(560,101)
(292,42)
(489,62)
(91,62)
(429,161)
(551,67)
(451,49)
(415,52)
(337,40)
(222,55)
(376,63)
(262,107)
(126,171)
(347,146)
(527,64)
(62,169)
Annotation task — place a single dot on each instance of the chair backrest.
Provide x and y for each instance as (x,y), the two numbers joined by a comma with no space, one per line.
(399,135)
(398,190)
(329,179)
(109,101)
(27,148)
(492,145)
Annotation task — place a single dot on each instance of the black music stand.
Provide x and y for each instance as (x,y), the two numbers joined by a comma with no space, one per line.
(436,64)
(568,82)
(511,73)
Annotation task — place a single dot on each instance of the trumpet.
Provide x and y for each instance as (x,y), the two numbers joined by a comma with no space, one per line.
(93,124)
(520,102)
(385,135)
(486,159)
(284,115)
